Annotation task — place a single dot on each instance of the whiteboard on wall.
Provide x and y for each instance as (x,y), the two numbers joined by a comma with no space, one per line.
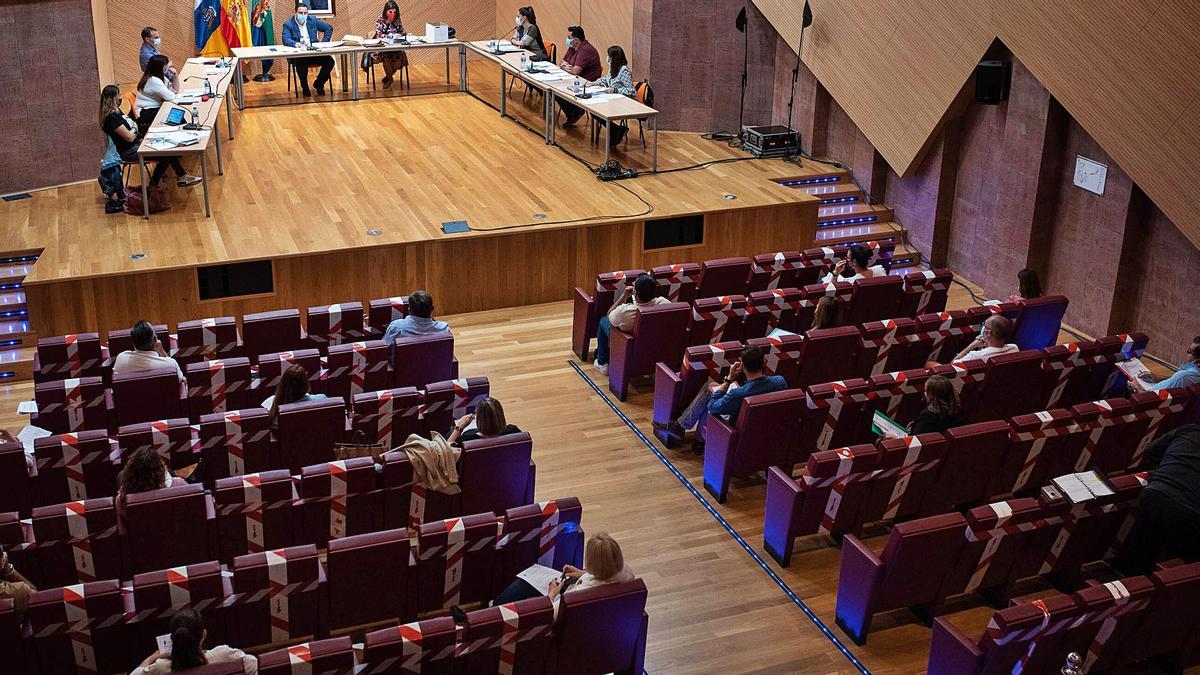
(1090,175)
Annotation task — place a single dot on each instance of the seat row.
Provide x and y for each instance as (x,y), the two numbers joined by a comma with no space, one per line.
(925,562)
(84,354)
(109,401)
(81,465)
(272,509)
(1111,625)
(741,276)
(840,491)
(785,427)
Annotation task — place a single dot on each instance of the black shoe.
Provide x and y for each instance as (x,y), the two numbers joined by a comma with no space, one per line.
(307,91)
(697,447)
(114,206)
(320,90)
(671,428)
(458,614)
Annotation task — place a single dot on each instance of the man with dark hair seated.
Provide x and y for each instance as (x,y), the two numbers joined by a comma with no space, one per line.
(724,401)
(643,293)
(419,321)
(148,352)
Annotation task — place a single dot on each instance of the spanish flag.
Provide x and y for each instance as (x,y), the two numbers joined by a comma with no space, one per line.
(236,26)
(209,16)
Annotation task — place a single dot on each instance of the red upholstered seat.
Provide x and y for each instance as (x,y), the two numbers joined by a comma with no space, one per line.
(425,646)
(521,631)
(967,377)
(674,391)
(874,299)
(900,395)
(307,431)
(1117,608)
(827,353)
(546,533)
(1027,637)
(777,270)
(496,474)
(329,325)
(333,655)
(172,439)
(925,292)
(806,307)
(78,466)
(835,414)
(908,470)
(602,629)
(448,401)
(397,490)
(677,282)
(16,485)
(101,645)
(387,417)
(368,574)
(236,443)
(716,319)
(282,589)
(658,335)
(218,386)
(417,361)
(1101,444)
(1164,410)
(357,367)
(154,520)
(781,356)
(1092,531)
(159,594)
(724,276)
(70,405)
(271,366)
(255,513)
(272,332)
(764,435)
(1007,374)
(1170,619)
(77,542)
(951,330)
(208,339)
(590,307)
(456,559)
(64,356)
(339,499)
(1042,445)
(383,311)
(148,395)
(973,457)
(21,653)
(768,310)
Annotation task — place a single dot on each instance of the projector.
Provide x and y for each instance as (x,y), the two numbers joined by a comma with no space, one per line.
(774,140)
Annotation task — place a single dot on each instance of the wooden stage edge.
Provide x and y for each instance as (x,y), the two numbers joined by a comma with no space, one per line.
(268,207)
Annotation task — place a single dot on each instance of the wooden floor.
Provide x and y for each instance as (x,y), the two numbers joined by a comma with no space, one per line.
(712,608)
(315,177)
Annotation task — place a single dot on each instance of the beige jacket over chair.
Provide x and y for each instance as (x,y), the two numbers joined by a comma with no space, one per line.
(434,462)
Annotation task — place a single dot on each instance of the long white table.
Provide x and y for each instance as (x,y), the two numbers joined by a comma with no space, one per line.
(193,75)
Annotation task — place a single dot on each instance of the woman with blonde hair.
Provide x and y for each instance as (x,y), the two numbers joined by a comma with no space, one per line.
(942,408)
(489,422)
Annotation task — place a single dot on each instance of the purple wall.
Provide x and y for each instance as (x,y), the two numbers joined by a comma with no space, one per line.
(51,95)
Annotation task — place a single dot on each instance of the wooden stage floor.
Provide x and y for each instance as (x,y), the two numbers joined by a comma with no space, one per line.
(312,178)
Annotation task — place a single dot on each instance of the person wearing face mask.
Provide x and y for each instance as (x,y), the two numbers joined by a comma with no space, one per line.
(528,35)
(619,80)
(150,44)
(300,32)
(388,26)
(581,60)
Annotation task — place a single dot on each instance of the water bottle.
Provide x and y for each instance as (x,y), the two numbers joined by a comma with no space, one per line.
(523,64)
(195,116)
(207,87)
(576,86)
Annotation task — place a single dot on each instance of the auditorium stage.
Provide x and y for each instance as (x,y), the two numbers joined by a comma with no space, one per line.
(304,184)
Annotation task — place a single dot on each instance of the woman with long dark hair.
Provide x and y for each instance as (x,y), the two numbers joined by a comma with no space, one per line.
(187,649)
(292,388)
(144,471)
(1029,286)
(121,131)
(528,35)
(942,408)
(388,26)
(152,92)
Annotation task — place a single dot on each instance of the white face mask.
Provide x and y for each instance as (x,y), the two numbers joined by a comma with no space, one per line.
(156,41)
(301,18)
(517,21)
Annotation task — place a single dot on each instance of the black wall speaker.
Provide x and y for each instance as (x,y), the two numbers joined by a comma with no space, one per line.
(992,79)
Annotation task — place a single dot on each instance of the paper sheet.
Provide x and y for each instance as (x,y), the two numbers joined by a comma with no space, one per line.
(1082,486)
(604,96)
(778,332)
(539,576)
(26,407)
(30,434)
(887,427)
(545,77)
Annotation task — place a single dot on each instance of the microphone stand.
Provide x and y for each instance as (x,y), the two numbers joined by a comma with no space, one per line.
(745,72)
(795,75)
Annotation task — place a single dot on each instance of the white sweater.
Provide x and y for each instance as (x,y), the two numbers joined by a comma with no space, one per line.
(153,95)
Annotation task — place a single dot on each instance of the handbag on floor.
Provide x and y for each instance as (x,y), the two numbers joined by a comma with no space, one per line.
(159,200)
(359,447)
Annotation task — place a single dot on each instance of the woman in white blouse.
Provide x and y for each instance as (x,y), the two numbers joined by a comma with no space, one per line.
(152,91)
(187,649)
(858,263)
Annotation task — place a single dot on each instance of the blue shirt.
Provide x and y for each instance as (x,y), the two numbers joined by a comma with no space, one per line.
(1187,375)
(411,326)
(144,57)
(730,402)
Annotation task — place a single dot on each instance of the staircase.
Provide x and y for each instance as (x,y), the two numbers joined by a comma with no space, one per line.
(846,218)
(17,341)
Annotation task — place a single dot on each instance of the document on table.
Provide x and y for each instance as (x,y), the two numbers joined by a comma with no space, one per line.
(26,407)
(539,576)
(1082,486)
(172,139)
(604,96)
(507,48)
(191,91)
(777,332)
(546,77)
(328,45)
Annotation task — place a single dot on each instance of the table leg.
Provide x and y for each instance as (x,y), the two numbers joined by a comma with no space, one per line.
(462,68)
(217,135)
(550,116)
(145,190)
(607,138)
(447,64)
(204,176)
(655,164)
(354,81)
(229,107)
(503,93)
(237,86)
(345,82)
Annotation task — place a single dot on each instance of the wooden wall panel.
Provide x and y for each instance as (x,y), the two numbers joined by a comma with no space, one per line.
(464,275)
(472,19)
(1124,70)
(606,23)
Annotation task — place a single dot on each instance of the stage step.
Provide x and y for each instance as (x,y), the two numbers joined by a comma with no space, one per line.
(12,305)
(835,193)
(13,275)
(883,232)
(852,213)
(906,258)
(811,179)
(16,365)
(15,334)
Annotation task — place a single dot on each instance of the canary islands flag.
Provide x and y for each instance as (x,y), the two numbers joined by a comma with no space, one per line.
(209,16)
(236,25)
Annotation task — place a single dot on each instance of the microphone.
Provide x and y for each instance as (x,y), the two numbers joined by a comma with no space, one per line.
(740,23)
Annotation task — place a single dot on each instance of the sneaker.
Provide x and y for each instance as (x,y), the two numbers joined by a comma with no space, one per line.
(113,206)
(671,428)
(188,180)
(458,614)
(601,368)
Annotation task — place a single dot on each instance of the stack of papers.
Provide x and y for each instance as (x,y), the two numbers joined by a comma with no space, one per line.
(1082,486)
(192,91)
(328,45)
(507,48)
(604,96)
(539,576)
(30,434)
(171,139)
(546,77)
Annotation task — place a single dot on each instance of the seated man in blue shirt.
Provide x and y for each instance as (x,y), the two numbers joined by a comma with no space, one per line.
(150,44)
(419,321)
(723,400)
(1187,375)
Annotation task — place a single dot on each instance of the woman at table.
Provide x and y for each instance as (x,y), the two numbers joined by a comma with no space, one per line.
(152,92)
(528,35)
(618,79)
(388,26)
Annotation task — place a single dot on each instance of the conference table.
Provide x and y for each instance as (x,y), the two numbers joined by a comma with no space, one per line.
(162,140)
(350,56)
(556,84)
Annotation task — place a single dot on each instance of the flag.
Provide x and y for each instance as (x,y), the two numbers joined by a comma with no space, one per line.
(235,27)
(209,16)
(262,28)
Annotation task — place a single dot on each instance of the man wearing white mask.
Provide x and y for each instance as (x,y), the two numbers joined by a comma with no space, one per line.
(150,44)
(300,32)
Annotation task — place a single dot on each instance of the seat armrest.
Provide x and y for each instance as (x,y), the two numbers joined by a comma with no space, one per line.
(619,345)
(779,513)
(858,583)
(583,326)
(720,442)
(951,652)
(667,388)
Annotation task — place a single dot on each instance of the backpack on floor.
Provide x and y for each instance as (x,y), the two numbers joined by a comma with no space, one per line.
(159,200)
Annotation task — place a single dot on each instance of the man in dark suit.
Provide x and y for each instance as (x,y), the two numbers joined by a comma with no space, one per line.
(300,32)
(1168,513)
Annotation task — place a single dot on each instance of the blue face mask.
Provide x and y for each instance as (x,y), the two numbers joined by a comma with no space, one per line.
(301,18)
(570,42)
(156,41)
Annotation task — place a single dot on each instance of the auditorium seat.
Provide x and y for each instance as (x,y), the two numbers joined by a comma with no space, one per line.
(889,346)
(329,325)
(602,629)
(874,299)
(1042,445)
(1039,322)
(826,354)
(417,361)
(66,356)
(255,513)
(1102,444)
(546,533)
(425,647)
(590,307)
(835,414)
(307,432)
(159,594)
(218,386)
(338,499)
(71,467)
(169,527)
(70,405)
(16,485)
(925,292)
(236,443)
(332,655)
(900,395)
(1092,531)
(781,356)
(383,311)
(1170,619)
(170,439)
(120,341)
(1165,409)
(21,652)
(355,367)
(496,473)
(768,310)
(368,579)
(1006,375)
(148,395)
(456,561)
(953,331)
(1026,637)
(702,366)
(677,282)
(833,490)
(214,338)
(272,364)
(100,646)
(805,309)
(447,401)
(716,319)
(776,270)
(764,435)
(908,470)
(272,332)
(77,543)
(397,490)
(519,630)
(1077,372)
(967,377)
(284,585)
(973,457)
(657,335)
(387,417)
(723,276)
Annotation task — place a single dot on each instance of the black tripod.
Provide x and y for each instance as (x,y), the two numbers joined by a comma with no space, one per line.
(804,23)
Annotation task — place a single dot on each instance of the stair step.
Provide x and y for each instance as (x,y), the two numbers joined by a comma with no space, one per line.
(12,305)
(906,257)
(12,276)
(15,334)
(885,231)
(810,179)
(835,193)
(16,365)
(852,213)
